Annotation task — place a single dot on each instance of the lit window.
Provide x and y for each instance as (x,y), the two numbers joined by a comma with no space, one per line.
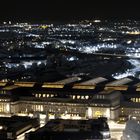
(73,96)
(52,95)
(87,97)
(37,107)
(101,96)
(41,108)
(82,97)
(133,99)
(78,97)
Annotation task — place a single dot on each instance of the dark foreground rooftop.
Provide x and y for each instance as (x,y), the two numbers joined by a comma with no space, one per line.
(11,127)
(72,130)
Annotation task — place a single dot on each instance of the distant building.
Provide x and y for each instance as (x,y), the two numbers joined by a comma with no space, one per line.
(96,129)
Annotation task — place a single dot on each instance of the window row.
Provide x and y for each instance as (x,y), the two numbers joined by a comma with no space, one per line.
(85,97)
(137,100)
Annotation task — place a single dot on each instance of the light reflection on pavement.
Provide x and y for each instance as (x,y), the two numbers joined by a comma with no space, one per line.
(116,130)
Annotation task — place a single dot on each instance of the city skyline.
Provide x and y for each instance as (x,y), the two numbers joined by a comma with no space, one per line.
(74,61)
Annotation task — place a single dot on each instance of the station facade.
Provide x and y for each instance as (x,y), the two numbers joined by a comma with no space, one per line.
(79,100)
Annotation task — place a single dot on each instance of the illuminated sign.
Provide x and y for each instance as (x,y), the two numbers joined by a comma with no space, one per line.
(98,113)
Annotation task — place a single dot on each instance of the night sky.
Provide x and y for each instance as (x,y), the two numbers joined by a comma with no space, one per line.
(37,10)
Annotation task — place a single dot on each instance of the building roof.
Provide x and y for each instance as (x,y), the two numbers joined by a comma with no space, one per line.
(25,84)
(137,86)
(120,84)
(2,84)
(90,84)
(16,125)
(61,83)
(107,91)
(78,83)
(10,87)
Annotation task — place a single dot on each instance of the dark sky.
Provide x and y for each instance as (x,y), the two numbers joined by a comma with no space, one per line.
(68,10)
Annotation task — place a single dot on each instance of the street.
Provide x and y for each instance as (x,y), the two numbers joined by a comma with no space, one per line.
(116,130)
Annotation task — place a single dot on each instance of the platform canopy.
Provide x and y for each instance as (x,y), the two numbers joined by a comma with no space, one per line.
(61,83)
(90,84)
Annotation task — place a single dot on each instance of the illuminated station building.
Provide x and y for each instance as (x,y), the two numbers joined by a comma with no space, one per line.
(72,98)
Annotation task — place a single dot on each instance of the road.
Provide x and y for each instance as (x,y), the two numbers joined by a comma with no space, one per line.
(116,130)
(132,56)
